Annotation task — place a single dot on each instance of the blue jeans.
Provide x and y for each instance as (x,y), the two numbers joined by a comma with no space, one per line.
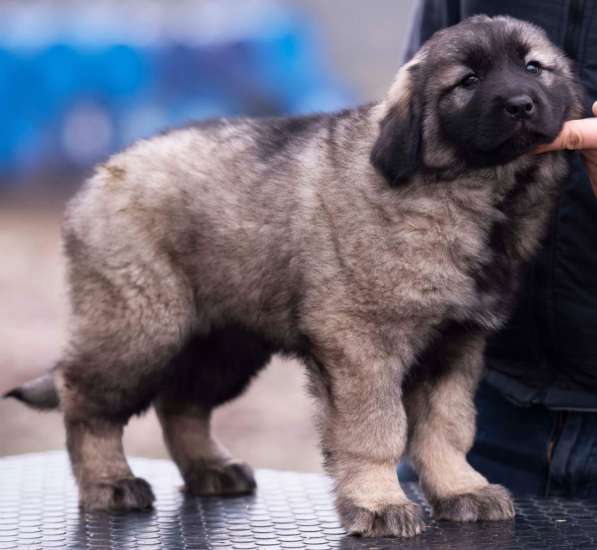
(531,450)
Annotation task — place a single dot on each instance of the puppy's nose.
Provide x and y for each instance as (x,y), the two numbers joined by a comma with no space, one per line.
(520,106)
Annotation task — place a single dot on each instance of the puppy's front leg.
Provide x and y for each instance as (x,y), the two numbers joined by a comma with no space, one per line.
(441,416)
(363,437)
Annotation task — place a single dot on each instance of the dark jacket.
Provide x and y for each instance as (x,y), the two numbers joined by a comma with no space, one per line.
(548,351)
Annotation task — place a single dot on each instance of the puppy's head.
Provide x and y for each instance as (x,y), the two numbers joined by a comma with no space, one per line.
(478,94)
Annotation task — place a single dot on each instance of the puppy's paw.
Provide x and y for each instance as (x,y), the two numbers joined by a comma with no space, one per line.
(225,478)
(119,495)
(492,502)
(393,520)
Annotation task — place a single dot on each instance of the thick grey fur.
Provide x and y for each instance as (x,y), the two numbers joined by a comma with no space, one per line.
(370,243)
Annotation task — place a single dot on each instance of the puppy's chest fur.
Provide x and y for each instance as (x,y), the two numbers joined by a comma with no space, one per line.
(454,252)
(510,237)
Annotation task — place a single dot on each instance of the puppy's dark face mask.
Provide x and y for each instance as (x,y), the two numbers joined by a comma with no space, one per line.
(505,97)
(479,94)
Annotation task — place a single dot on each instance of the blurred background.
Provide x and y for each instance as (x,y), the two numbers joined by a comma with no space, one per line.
(80,80)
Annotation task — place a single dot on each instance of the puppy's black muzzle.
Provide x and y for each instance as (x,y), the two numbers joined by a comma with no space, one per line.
(520,107)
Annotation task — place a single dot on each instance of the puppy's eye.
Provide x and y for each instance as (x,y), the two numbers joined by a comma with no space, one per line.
(469,81)
(533,67)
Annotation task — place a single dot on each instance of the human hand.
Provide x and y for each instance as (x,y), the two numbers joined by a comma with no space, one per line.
(579,135)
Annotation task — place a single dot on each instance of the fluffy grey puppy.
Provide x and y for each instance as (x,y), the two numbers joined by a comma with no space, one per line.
(380,244)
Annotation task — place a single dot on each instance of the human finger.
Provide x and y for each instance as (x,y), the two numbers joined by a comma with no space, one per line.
(575,135)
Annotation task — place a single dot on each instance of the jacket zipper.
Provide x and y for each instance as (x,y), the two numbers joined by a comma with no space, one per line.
(573,28)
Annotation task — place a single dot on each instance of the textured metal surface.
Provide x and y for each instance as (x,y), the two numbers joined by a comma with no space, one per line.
(38,509)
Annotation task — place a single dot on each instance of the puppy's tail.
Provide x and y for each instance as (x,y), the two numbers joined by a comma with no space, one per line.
(39,393)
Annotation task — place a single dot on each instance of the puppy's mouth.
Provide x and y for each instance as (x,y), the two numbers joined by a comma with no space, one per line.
(520,138)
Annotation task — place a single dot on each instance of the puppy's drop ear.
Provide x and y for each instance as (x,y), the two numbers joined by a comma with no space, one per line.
(397,152)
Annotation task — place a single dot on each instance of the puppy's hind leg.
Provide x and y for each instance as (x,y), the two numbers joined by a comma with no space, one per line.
(100,467)
(123,337)
(441,416)
(208,372)
(206,466)
(102,387)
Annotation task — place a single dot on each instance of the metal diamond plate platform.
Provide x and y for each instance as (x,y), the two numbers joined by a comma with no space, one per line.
(38,510)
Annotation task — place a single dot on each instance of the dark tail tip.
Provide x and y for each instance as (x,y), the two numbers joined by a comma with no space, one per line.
(16,393)
(39,393)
